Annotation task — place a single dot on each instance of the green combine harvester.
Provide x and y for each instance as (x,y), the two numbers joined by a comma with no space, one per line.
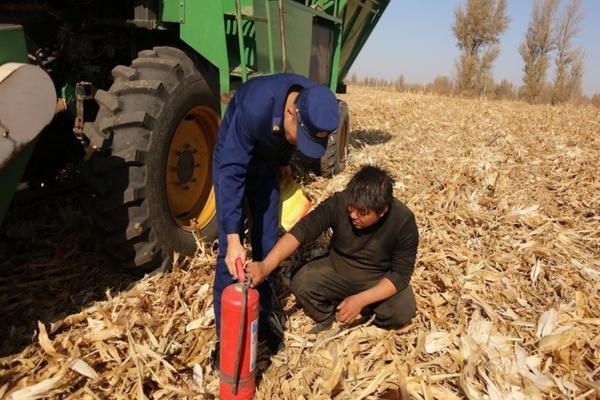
(127,95)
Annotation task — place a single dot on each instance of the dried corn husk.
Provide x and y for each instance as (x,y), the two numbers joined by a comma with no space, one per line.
(506,196)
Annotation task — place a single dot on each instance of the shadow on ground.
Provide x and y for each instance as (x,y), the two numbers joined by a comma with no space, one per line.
(50,266)
(369,137)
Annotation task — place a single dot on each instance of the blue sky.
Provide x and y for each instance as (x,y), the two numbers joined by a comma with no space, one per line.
(414,38)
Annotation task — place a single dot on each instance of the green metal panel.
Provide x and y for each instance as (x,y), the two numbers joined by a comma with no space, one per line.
(243,38)
(335,68)
(12,44)
(298,29)
(173,11)
(247,6)
(268,56)
(360,17)
(204,31)
(298,37)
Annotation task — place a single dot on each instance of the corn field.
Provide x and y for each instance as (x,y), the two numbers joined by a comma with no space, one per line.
(507,281)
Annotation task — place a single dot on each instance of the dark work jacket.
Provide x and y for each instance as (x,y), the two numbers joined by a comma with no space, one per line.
(386,249)
(251,143)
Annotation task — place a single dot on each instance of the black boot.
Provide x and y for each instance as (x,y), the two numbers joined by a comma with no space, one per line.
(322,326)
(214,356)
(270,332)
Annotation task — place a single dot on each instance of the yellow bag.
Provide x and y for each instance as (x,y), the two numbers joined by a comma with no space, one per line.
(294,203)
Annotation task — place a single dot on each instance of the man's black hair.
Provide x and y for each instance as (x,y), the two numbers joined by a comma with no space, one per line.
(370,188)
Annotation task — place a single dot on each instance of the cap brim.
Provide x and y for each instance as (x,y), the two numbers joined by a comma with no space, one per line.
(308,146)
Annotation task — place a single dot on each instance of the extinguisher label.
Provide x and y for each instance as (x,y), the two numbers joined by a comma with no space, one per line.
(253,343)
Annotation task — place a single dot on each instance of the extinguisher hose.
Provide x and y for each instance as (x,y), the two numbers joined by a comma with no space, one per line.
(240,340)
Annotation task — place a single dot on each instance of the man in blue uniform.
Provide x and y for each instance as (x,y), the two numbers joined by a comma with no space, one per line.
(265,119)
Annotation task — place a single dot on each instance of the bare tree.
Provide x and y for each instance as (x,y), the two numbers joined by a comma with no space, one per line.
(504,90)
(536,48)
(576,75)
(569,60)
(399,84)
(441,85)
(477,28)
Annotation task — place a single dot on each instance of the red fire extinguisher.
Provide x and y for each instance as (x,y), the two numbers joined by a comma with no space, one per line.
(239,338)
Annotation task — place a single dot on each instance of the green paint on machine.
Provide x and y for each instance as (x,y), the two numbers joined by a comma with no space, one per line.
(245,38)
(229,41)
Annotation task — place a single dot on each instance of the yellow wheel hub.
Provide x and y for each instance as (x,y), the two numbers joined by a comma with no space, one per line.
(190,194)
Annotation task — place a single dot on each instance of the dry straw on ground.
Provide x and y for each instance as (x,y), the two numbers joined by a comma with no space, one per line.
(507,199)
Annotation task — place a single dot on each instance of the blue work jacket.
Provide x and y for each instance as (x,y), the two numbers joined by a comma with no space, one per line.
(251,142)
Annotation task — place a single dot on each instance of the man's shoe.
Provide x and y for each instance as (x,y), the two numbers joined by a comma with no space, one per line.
(321,326)
(214,357)
(271,333)
(275,324)
(273,342)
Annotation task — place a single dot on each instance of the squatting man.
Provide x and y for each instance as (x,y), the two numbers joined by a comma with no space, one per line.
(370,261)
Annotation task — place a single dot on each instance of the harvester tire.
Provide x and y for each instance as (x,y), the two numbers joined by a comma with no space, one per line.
(161,99)
(334,159)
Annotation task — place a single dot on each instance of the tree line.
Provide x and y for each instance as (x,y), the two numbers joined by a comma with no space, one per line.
(478,27)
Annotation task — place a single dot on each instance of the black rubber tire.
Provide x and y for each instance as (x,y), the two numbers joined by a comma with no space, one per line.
(133,129)
(334,159)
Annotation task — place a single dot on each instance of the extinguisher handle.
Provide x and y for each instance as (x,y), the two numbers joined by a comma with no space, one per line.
(239,268)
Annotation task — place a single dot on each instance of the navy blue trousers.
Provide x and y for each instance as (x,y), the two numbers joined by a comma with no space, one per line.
(262,197)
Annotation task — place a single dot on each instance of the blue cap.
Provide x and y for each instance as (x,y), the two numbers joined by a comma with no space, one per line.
(318,115)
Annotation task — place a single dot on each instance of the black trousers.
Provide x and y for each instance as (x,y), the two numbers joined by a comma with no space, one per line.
(319,288)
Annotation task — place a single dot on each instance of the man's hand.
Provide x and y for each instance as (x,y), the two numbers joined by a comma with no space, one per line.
(348,310)
(284,172)
(258,272)
(235,250)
